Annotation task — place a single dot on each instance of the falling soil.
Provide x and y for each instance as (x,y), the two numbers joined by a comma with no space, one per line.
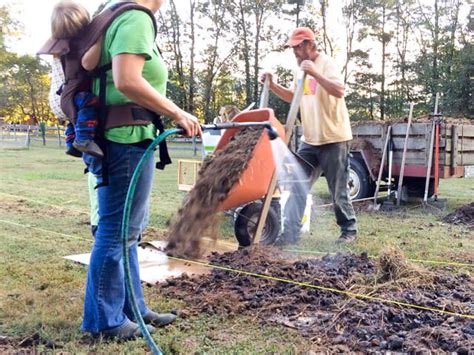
(462,215)
(218,174)
(334,321)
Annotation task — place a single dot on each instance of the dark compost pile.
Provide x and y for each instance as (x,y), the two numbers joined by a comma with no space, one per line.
(217,176)
(462,215)
(335,321)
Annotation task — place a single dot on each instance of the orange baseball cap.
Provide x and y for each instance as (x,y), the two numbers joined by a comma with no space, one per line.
(299,35)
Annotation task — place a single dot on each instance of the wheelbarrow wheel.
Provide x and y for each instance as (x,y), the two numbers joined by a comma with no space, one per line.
(246,224)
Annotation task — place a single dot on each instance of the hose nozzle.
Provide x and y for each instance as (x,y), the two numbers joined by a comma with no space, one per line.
(272,133)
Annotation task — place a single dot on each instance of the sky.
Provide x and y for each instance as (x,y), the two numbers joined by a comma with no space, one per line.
(35,16)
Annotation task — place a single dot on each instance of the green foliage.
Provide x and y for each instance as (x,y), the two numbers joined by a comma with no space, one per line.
(24,89)
(9,27)
(396,52)
(24,80)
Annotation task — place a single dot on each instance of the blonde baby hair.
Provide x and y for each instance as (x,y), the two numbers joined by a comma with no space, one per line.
(68,18)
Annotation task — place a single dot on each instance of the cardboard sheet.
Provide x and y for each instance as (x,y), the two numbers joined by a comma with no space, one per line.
(155,266)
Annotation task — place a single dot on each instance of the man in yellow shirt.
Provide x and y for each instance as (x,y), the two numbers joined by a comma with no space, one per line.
(326,136)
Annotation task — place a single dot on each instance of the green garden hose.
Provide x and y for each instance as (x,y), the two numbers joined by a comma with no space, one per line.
(128,204)
(124,234)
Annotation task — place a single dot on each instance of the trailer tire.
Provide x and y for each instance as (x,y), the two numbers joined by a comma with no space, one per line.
(246,223)
(360,184)
(416,186)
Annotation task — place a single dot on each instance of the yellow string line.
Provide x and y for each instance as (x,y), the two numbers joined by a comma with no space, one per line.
(323,288)
(45,230)
(449,263)
(303,284)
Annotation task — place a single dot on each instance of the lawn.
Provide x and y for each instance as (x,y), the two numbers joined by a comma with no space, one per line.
(44,216)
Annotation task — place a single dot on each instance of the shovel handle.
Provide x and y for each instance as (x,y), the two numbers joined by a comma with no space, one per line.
(290,123)
(265,93)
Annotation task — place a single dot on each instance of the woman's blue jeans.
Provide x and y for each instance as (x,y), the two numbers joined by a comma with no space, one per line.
(106,304)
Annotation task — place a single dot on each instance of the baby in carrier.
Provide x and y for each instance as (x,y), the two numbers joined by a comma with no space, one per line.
(67,19)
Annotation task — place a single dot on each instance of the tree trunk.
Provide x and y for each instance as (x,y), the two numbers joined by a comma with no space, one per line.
(350,31)
(258,25)
(245,54)
(191,60)
(326,41)
(435,74)
(382,81)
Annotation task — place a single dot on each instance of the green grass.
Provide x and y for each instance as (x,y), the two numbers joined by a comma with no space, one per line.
(44,216)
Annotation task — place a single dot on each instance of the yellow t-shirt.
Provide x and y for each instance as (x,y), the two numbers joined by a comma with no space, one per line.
(324,117)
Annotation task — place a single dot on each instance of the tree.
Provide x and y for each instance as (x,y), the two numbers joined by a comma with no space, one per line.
(296,11)
(214,57)
(350,11)
(363,99)
(171,27)
(442,66)
(251,25)
(9,27)
(377,15)
(26,88)
(24,80)
(192,82)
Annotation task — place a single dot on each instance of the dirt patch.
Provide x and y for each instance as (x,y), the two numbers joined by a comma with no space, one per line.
(26,345)
(218,175)
(462,215)
(335,321)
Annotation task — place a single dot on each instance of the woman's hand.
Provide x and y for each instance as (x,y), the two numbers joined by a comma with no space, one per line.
(189,123)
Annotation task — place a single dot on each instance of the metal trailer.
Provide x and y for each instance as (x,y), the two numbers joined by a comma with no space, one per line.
(456,155)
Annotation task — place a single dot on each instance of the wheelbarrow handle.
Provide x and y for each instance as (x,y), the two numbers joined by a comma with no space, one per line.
(227,125)
(272,132)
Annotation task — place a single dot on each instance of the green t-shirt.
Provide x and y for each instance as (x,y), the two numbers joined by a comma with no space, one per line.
(132,32)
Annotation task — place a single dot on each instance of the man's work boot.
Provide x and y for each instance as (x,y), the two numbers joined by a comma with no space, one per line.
(347,237)
(283,241)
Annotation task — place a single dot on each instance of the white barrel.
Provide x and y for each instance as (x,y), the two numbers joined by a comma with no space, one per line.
(306,219)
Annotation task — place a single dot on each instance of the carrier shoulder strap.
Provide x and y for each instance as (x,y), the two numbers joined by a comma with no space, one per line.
(98,26)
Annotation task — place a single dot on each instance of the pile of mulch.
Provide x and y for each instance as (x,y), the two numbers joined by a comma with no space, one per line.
(218,175)
(425,118)
(335,322)
(462,215)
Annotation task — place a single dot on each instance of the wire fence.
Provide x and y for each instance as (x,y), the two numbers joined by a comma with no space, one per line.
(20,136)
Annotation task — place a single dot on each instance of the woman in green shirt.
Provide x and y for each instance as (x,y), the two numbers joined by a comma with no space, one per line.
(138,76)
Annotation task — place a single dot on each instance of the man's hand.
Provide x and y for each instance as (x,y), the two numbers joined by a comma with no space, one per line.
(282,92)
(332,86)
(264,75)
(189,123)
(308,67)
